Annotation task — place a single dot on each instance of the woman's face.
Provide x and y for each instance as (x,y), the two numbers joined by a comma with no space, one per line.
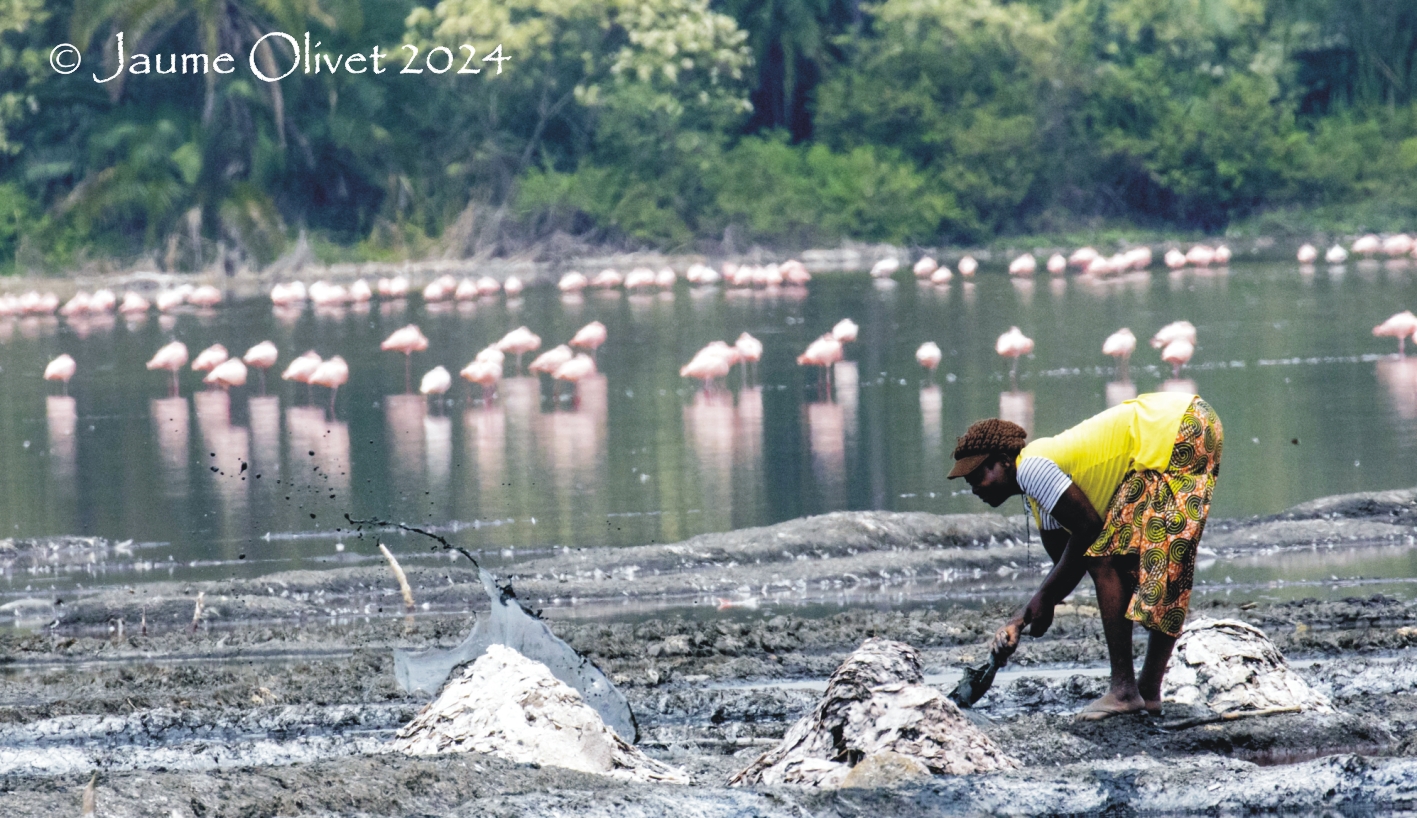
(993,481)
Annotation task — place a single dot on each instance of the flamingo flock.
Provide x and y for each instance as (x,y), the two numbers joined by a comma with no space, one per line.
(1394,246)
(576,360)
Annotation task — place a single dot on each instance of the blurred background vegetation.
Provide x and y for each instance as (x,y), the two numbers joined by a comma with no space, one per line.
(690,125)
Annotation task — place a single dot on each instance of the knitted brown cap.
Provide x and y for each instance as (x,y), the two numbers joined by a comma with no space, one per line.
(983,439)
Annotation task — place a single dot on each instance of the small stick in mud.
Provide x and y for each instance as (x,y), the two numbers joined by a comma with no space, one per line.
(90,791)
(399,575)
(197,611)
(143,628)
(1233,715)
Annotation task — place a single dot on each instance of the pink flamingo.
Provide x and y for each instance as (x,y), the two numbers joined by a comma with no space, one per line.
(750,352)
(1398,326)
(261,357)
(925,267)
(1057,265)
(484,373)
(205,296)
(301,369)
(1367,245)
(1174,259)
(134,304)
(1024,265)
(331,374)
(710,363)
(436,383)
(589,337)
(519,342)
(1082,257)
(824,352)
(845,331)
(572,282)
(574,371)
(1177,354)
(408,340)
(929,356)
(967,266)
(228,373)
(208,358)
(1308,254)
(513,286)
(1014,344)
(1174,331)
(1120,345)
(61,369)
(549,361)
(171,357)
(360,292)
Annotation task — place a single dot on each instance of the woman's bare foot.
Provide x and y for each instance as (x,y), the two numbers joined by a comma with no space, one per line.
(1114,703)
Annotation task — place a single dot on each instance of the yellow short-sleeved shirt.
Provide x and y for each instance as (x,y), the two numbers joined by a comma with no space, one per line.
(1097,453)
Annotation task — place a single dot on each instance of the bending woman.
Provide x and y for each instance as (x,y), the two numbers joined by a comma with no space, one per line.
(1122,496)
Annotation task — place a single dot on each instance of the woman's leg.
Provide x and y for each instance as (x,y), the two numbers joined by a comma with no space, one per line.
(1115,580)
(1153,670)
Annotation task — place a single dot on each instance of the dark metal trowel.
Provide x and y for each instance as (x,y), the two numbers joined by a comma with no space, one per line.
(976,681)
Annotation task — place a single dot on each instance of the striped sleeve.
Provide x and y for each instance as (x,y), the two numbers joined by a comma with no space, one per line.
(1042,480)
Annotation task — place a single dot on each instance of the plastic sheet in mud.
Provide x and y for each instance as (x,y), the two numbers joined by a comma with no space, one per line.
(511,625)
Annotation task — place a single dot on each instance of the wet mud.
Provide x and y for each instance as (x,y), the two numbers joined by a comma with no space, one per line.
(282,699)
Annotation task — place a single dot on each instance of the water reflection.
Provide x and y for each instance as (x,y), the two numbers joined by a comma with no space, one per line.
(486,440)
(1398,377)
(265,434)
(1017,407)
(172,425)
(228,447)
(826,435)
(311,430)
(62,415)
(1120,392)
(404,414)
(1185,386)
(932,437)
(709,427)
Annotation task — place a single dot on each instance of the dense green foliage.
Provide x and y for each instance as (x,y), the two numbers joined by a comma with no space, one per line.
(696,123)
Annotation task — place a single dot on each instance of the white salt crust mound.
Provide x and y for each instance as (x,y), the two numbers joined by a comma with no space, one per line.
(506,705)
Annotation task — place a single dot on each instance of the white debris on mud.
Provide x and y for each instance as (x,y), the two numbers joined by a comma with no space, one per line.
(1230,666)
(509,706)
(875,703)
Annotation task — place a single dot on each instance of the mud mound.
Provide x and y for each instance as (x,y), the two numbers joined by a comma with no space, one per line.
(876,703)
(1231,666)
(511,707)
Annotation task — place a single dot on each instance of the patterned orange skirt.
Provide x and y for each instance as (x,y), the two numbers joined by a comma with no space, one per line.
(1160,516)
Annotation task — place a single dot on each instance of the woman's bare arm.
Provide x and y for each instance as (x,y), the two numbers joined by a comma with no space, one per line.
(1068,549)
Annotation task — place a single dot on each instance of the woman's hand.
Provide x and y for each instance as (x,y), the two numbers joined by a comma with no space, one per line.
(1006,639)
(1038,615)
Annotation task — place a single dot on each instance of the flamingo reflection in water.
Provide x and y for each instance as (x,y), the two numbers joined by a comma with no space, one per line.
(172,427)
(485,435)
(1184,386)
(229,445)
(404,415)
(1017,407)
(1398,377)
(62,415)
(826,434)
(264,411)
(311,430)
(709,429)
(932,434)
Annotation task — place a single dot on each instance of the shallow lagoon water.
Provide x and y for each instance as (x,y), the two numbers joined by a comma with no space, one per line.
(1312,405)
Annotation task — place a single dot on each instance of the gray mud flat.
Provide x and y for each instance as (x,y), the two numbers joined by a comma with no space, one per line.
(283,700)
